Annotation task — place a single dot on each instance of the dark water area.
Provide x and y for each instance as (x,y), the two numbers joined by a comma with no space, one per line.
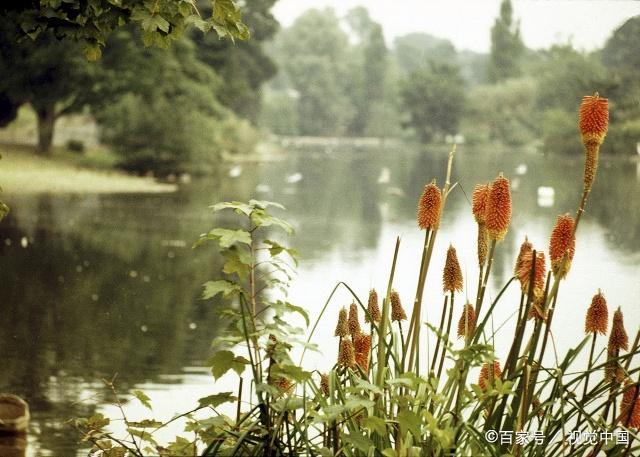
(97,285)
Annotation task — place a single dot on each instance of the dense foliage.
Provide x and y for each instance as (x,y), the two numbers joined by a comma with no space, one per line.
(92,21)
(179,117)
(331,85)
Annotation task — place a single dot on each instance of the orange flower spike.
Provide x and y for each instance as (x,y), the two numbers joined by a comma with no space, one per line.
(479,202)
(363,349)
(630,406)
(452,274)
(467,322)
(284,384)
(524,274)
(618,338)
(597,320)
(324,384)
(353,322)
(373,310)
(488,374)
(429,207)
(342,328)
(397,311)
(525,248)
(347,355)
(498,209)
(561,243)
(593,119)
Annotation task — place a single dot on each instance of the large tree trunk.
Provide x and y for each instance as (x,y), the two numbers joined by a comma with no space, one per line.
(46,123)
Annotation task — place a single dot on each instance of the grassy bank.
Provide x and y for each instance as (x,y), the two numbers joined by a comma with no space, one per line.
(22,171)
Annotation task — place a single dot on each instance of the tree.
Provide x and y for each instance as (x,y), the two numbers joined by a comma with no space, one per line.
(565,75)
(168,120)
(313,55)
(434,98)
(41,47)
(368,67)
(621,59)
(414,50)
(244,66)
(52,75)
(91,22)
(506,45)
(502,113)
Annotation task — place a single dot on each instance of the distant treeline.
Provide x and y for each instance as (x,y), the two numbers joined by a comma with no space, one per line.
(337,77)
(178,109)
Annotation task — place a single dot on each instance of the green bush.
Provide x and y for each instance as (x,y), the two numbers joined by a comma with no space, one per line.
(558,133)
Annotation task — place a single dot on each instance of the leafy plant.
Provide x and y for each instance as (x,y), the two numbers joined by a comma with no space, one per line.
(160,21)
(387,395)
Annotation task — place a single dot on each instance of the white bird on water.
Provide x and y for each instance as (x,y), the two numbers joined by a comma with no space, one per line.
(294,178)
(385,176)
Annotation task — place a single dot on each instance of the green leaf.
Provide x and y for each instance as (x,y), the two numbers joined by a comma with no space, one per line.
(264,204)
(281,307)
(118,451)
(358,441)
(375,424)
(143,435)
(239,207)
(365,385)
(217,399)
(276,249)
(213,288)
(182,447)
(358,403)
(226,237)
(261,219)
(223,361)
(292,372)
(409,422)
(238,261)
(92,51)
(96,422)
(146,423)
(142,398)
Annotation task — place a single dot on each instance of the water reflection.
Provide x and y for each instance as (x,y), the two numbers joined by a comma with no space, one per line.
(108,284)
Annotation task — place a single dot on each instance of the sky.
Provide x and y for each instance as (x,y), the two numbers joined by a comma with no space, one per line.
(467,23)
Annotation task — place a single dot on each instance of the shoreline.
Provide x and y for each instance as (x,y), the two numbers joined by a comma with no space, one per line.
(24,172)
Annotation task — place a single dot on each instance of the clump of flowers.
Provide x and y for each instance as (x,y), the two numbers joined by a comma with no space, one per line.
(593,122)
(467,322)
(342,328)
(430,207)
(397,311)
(562,245)
(363,350)
(524,272)
(373,310)
(478,207)
(597,320)
(347,354)
(488,374)
(498,209)
(353,321)
(452,274)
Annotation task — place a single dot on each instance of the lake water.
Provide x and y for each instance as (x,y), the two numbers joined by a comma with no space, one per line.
(94,285)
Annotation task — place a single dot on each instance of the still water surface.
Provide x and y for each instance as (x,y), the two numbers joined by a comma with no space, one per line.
(94,285)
